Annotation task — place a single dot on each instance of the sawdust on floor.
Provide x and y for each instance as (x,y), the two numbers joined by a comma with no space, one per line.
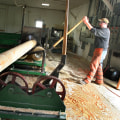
(82,102)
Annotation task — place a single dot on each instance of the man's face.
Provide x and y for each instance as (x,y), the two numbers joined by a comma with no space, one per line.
(102,24)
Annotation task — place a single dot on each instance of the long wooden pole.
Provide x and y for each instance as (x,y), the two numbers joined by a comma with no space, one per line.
(64,49)
(67,33)
(118,84)
(10,56)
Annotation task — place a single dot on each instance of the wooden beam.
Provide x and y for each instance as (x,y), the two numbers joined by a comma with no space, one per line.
(118,85)
(64,49)
(107,3)
(10,56)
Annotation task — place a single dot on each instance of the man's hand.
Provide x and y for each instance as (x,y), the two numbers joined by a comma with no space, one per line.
(85,19)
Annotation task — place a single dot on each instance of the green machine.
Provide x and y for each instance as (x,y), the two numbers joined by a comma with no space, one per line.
(44,100)
(10,40)
(40,102)
(17,100)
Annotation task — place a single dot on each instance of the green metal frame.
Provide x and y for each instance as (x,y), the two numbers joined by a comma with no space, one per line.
(35,63)
(9,40)
(29,72)
(13,96)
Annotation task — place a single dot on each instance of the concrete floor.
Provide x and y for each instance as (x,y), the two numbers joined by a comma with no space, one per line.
(85,102)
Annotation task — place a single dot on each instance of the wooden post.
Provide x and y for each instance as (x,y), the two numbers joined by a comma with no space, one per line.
(118,85)
(64,50)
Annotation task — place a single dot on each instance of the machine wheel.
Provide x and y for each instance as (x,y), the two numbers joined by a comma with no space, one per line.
(52,84)
(13,80)
(37,56)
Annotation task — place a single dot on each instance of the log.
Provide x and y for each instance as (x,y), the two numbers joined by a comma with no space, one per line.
(10,56)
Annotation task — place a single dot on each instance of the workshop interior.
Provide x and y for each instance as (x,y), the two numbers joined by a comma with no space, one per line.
(22,54)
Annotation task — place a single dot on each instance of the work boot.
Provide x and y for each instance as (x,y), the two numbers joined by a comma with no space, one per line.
(85,81)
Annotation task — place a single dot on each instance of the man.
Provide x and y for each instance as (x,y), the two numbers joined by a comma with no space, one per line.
(44,34)
(102,35)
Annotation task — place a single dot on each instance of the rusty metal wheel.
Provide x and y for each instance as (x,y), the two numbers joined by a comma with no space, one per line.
(13,78)
(53,82)
(2,83)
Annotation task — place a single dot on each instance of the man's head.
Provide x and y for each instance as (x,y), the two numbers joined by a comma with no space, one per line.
(103,22)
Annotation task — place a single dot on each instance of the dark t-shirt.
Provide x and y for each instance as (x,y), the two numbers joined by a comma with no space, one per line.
(102,36)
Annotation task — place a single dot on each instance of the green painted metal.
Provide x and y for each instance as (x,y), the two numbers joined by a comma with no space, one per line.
(13,96)
(9,38)
(28,72)
(35,63)
(3,49)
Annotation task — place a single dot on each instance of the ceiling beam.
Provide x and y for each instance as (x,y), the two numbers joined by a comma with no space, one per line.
(107,3)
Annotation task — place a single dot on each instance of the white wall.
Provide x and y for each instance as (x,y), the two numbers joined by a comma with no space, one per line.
(12,17)
(50,17)
(77,15)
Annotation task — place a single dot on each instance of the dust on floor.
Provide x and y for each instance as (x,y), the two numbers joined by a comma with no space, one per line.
(84,102)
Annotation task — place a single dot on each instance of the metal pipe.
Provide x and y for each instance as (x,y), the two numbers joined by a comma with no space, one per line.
(22,22)
(10,56)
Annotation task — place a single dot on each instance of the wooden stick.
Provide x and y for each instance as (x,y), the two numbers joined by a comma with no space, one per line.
(30,110)
(118,85)
(67,34)
(64,49)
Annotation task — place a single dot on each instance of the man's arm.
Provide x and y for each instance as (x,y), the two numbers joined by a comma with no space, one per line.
(86,21)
